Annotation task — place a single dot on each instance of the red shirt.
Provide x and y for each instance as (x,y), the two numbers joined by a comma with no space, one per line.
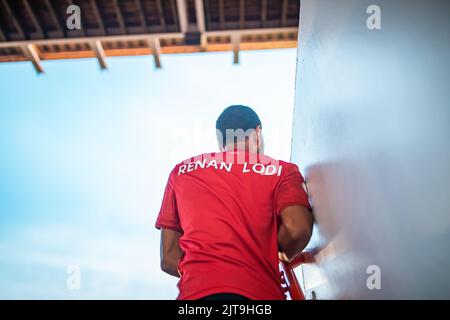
(227,205)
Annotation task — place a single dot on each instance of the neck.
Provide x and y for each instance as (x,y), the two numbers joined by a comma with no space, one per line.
(241,146)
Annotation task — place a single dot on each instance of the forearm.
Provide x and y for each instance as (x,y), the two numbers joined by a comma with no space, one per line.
(291,243)
(295,230)
(170,265)
(171,252)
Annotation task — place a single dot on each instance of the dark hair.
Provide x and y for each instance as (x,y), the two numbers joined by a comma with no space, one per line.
(236,117)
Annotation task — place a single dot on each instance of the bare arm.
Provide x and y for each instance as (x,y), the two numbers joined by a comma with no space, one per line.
(170,251)
(295,230)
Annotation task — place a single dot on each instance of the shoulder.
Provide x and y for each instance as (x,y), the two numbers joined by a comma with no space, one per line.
(289,170)
(285,164)
(291,166)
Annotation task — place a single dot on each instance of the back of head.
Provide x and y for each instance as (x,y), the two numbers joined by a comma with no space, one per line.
(236,123)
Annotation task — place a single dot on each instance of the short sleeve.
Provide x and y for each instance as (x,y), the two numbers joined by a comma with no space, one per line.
(168,214)
(290,191)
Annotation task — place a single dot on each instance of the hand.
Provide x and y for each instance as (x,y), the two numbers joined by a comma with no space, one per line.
(282,256)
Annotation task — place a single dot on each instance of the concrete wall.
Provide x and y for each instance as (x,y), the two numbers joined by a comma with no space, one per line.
(371,135)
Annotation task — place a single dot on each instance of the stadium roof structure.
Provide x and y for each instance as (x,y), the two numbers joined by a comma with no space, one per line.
(36,30)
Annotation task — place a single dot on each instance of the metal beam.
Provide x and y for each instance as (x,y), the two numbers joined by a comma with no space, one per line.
(132,37)
(129,37)
(235,41)
(203,42)
(119,15)
(141,14)
(182,16)
(156,51)
(259,31)
(98,17)
(263,12)
(97,47)
(2,34)
(162,20)
(51,10)
(201,25)
(200,14)
(31,54)
(16,23)
(284,10)
(221,14)
(242,14)
(34,19)
(173,9)
(207,14)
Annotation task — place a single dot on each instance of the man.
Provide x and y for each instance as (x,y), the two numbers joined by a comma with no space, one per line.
(227,217)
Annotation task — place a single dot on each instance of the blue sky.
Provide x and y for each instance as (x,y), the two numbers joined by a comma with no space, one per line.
(85,154)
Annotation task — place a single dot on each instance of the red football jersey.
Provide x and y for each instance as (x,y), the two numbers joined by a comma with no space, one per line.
(227,206)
